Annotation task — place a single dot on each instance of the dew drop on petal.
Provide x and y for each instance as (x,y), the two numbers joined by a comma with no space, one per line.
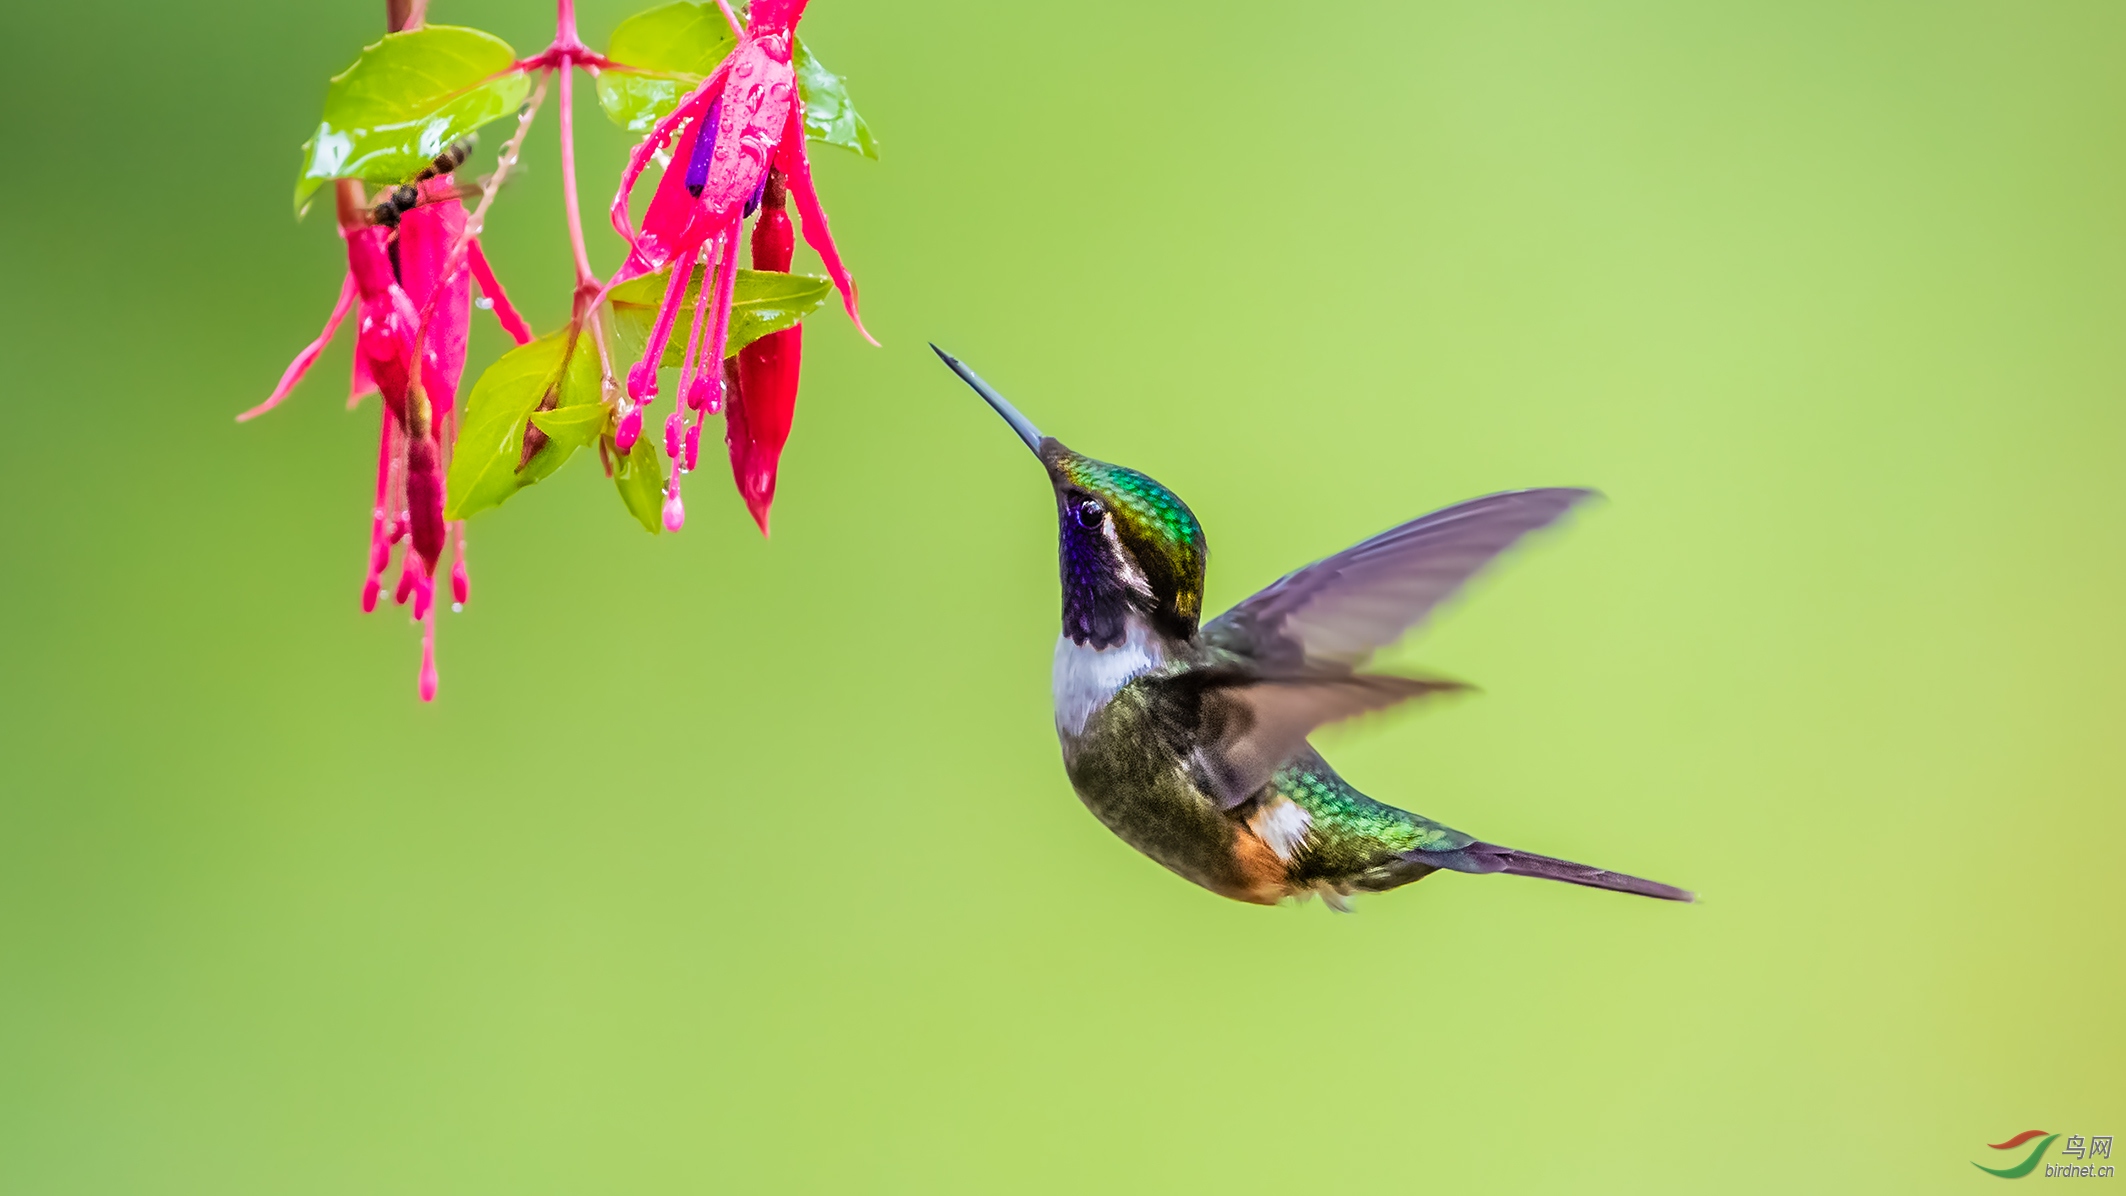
(484,303)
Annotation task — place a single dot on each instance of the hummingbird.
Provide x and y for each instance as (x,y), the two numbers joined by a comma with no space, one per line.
(1188,739)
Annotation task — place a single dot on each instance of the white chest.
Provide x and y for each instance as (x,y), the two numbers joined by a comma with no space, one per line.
(1085,678)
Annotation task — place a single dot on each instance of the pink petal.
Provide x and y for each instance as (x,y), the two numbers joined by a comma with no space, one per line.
(660,223)
(303,360)
(757,105)
(427,235)
(798,170)
(490,286)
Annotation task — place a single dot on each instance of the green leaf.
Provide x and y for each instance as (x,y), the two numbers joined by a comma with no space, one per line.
(762,302)
(829,116)
(639,476)
(406,99)
(575,427)
(673,48)
(484,465)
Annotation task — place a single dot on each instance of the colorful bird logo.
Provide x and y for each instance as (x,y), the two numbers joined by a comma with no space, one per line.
(2027,1165)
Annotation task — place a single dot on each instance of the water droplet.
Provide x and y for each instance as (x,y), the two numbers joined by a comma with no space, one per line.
(457,608)
(484,303)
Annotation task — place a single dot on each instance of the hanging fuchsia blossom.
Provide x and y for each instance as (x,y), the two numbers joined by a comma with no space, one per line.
(409,298)
(724,136)
(401,118)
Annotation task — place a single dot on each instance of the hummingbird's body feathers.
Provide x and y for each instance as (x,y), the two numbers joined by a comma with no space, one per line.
(1339,610)
(1191,744)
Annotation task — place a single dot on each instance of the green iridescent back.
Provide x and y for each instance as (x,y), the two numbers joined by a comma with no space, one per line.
(1351,833)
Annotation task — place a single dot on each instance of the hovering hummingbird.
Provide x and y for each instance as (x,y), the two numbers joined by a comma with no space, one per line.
(1189,740)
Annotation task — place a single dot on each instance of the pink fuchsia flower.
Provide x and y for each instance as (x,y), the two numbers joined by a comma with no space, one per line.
(723,137)
(411,301)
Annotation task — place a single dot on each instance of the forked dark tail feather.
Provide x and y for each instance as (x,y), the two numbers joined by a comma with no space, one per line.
(1490,857)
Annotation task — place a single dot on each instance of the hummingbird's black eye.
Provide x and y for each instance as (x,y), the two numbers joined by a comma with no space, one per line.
(1090,513)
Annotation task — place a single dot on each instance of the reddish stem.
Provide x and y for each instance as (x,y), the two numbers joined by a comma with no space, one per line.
(565,28)
(567,48)
(586,282)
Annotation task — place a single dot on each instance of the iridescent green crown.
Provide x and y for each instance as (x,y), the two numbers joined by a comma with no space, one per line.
(1159,529)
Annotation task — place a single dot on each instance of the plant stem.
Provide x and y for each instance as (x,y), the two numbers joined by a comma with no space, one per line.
(586,282)
(456,261)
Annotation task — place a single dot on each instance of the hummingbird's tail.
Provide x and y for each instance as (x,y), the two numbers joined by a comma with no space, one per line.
(1490,857)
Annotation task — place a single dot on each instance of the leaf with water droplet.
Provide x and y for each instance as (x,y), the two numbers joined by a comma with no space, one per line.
(404,101)
(484,466)
(829,115)
(672,48)
(762,301)
(669,50)
(639,477)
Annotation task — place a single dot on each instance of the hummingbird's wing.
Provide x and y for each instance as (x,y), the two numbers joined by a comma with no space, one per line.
(1336,612)
(1236,729)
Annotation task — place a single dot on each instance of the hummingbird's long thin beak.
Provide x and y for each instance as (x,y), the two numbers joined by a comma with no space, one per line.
(1019,423)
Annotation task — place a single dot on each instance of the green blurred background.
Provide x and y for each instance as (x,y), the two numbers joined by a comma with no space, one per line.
(725,864)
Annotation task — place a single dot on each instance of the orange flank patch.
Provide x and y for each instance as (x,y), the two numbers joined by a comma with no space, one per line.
(1259,867)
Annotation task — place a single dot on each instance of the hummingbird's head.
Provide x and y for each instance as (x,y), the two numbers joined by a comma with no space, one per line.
(1128,544)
